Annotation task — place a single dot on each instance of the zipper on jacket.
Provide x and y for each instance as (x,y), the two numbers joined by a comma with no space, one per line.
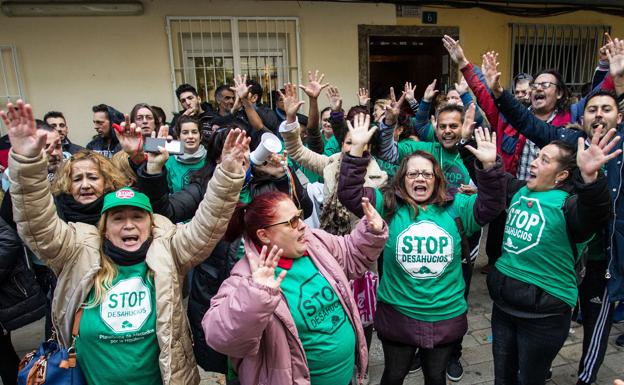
(20,287)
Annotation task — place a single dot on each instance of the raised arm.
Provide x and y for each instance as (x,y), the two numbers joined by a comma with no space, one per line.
(194,241)
(388,147)
(289,129)
(594,205)
(357,251)
(518,116)
(241,90)
(38,223)
(241,310)
(421,123)
(353,167)
(313,90)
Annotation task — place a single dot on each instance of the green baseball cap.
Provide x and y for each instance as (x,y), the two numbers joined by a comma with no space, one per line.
(126,197)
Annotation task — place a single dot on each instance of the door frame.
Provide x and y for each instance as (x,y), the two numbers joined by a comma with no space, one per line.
(366,30)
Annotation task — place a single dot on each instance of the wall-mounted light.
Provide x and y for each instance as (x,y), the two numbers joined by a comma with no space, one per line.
(34,9)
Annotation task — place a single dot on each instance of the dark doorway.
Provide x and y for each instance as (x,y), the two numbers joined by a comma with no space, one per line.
(396,54)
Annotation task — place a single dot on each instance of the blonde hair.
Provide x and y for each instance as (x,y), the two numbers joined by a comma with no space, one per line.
(381,103)
(113,179)
(120,161)
(108,270)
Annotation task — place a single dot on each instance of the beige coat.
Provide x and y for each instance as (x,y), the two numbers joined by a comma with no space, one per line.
(72,250)
(327,166)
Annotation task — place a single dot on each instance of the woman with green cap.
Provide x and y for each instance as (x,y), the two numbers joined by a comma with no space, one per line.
(119,284)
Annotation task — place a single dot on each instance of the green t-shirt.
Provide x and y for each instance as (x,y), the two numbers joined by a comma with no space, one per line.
(178,173)
(422,260)
(536,247)
(331,146)
(451,162)
(117,339)
(324,328)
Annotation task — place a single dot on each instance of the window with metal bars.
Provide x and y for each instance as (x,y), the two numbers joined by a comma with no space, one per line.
(208,51)
(570,49)
(11,87)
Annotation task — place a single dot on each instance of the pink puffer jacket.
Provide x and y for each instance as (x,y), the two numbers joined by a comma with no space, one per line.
(252,324)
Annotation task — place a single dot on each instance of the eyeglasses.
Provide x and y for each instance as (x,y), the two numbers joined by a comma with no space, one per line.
(415,174)
(542,85)
(292,222)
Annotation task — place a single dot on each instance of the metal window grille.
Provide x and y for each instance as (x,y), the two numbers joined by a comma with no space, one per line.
(570,49)
(208,51)
(11,87)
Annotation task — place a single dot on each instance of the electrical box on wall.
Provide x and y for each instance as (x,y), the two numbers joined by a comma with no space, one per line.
(429,17)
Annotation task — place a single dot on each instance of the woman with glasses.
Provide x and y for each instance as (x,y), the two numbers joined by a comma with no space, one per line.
(421,302)
(286,314)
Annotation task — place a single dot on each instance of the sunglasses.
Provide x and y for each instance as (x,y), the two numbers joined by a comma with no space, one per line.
(292,222)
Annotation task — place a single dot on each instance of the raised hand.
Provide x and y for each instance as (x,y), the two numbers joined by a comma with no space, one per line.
(23,135)
(591,159)
(235,153)
(263,267)
(130,138)
(360,133)
(615,54)
(393,109)
(491,73)
(156,161)
(462,87)
(408,91)
(455,51)
(314,87)
(468,125)
(363,97)
(240,89)
(430,91)
(375,222)
(602,52)
(291,101)
(486,147)
(335,101)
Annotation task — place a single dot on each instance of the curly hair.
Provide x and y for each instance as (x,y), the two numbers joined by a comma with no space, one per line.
(113,178)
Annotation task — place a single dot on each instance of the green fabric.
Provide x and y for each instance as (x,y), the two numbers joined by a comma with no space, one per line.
(422,260)
(245,195)
(126,197)
(324,328)
(178,173)
(536,247)
(455,172)
(389,168)
(117,339)
(332,146)
(428,133)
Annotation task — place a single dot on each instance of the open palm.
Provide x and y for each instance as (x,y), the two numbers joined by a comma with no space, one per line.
(263,267)
(23,135)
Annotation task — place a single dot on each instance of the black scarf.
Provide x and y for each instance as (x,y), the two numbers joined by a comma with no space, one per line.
(126,258)
(70,210)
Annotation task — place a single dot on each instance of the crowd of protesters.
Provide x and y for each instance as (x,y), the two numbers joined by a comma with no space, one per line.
(272,244)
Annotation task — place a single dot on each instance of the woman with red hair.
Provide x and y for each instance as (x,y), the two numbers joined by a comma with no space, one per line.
(287,315)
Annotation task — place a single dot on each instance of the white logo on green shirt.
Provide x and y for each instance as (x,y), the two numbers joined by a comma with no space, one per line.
(524,226)
(127,305)
(424,250)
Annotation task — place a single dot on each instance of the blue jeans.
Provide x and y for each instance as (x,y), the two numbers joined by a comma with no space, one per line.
(524,348)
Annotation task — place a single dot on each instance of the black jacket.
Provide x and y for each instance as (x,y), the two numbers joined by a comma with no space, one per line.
(205,119)
(104,147)
(70,147)
(21,299)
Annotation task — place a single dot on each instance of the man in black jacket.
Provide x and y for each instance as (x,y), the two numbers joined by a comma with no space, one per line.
(193,106)
(105,142)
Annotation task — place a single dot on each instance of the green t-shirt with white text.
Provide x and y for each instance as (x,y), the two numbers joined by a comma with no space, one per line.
(117,339)
(324,328)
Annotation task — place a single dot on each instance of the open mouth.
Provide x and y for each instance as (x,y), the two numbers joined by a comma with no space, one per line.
(130,240)
(532,175)
(539,97)
(87,195)
(420,189)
